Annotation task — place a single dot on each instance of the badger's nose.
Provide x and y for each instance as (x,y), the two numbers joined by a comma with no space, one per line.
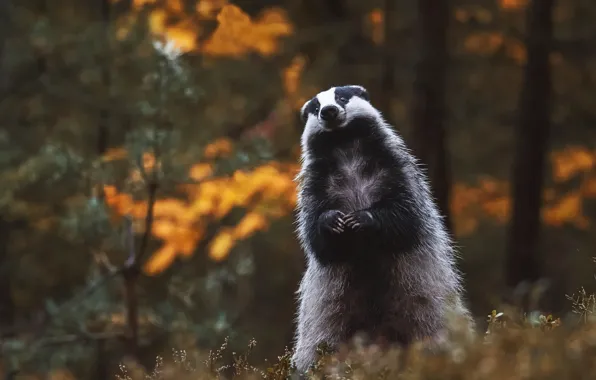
(329,113)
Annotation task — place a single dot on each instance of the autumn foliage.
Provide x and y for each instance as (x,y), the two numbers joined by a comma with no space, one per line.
(80,79)
(180,224)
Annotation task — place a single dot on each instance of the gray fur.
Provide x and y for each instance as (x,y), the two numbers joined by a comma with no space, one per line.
(361,189)
(422,285)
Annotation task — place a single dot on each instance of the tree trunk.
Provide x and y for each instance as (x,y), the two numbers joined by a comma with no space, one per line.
(429,108)
(7,306)
(388,67)
(523,259)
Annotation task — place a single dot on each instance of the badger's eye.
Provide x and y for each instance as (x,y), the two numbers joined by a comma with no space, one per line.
(343,100)
(317,109)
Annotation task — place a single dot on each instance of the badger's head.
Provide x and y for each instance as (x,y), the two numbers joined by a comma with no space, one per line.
(335,108)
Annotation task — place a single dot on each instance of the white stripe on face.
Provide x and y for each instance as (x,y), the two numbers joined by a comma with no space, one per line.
(327,98)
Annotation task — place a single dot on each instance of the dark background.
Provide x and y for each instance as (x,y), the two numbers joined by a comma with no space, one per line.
(146,200)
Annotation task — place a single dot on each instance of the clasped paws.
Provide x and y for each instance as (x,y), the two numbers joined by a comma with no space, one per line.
(359,220)
(333,221)
(337,222)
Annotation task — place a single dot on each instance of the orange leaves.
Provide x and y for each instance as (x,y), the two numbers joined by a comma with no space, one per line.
(492,198)
(291,81)
(567,210)
(470,203)
(221,245)
(217,197)
(114,154)
(200,171)
(218,148)
(210,8)
(374,20)
(253,221)
(568,163)
(588,187)
(488,43)
(572,161)
(237,34)
(122,203)
(513,4)
(265,192)
(183,34)
(224,241)
(292,74)
(268,192)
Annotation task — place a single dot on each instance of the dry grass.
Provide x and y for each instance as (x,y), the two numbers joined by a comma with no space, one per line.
(513,347)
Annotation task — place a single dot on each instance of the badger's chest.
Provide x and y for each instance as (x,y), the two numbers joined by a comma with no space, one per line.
(355,180)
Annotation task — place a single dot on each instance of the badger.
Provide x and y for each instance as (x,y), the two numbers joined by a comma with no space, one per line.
(379,260)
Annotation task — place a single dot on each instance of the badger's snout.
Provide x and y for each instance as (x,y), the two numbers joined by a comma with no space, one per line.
(329,113)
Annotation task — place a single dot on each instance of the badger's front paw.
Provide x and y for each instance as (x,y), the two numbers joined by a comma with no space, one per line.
(332,221)
(359,220)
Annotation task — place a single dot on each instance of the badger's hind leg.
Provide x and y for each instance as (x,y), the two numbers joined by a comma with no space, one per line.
(304,356)
(307,346)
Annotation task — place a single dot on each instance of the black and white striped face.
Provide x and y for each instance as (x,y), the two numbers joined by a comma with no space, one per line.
(334,108)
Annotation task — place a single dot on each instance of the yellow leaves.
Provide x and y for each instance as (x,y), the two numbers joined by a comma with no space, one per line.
(221,245)
(470,203)
(375,21)
(160,260)
(571,161)
(200,171)
(210,8)
(511,5)
(488,43)
(237,34)
(183,35)
(291,81)
(140,3)
(266,192)
(589,187)
(218,148)
(114,154)
(566,210)
(492,198)
(251,222)
(148,161)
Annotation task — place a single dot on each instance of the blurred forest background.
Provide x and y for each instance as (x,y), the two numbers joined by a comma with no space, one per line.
(148,150)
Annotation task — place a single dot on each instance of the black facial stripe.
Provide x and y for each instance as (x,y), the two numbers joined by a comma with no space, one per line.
(345,93)
(311,108)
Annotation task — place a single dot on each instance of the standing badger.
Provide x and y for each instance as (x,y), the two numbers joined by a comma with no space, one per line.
(379,260)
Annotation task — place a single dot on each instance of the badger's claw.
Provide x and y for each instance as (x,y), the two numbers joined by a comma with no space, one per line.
(358,220)
(333,221)
(352,222)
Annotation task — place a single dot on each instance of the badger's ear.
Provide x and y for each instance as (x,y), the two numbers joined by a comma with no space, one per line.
(364,93)
(303,115)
